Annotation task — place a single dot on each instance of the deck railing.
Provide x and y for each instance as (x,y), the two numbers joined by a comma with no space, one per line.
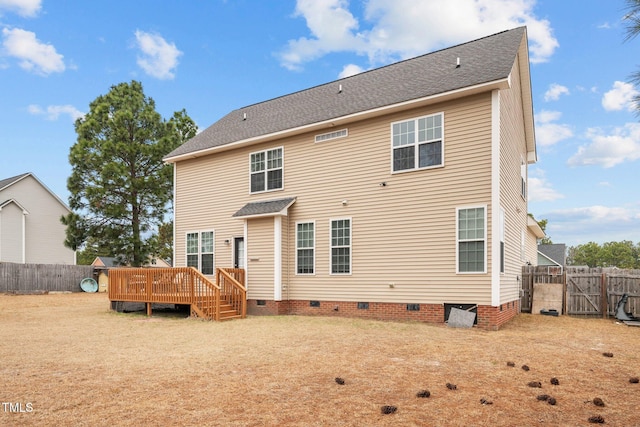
(181,285)
(230,281)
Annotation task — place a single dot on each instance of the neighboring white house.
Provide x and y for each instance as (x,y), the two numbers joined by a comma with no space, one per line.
(30,227)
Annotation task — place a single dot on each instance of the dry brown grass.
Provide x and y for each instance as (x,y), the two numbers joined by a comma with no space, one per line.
(77,363)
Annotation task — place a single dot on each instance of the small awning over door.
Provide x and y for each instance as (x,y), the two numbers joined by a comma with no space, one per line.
(277,207)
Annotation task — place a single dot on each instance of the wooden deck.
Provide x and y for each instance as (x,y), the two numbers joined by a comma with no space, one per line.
(224,298)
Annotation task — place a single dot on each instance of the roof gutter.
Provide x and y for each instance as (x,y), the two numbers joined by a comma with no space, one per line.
(341,121)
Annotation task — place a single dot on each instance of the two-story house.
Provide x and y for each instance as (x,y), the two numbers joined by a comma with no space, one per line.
(30,227)
(396,193)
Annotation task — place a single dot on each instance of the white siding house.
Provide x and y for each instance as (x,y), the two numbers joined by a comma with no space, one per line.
(30,227)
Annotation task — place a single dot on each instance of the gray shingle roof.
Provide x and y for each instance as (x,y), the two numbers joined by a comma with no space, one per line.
(265,207)
(8,181)
(556,251)
(485,60)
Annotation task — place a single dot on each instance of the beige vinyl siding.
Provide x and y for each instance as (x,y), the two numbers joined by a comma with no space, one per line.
(531,248)
(11,234)
(260,258)
(402,233)
(44,233)
(208,193)
(512,152)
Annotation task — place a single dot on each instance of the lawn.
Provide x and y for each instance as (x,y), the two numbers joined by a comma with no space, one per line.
(66,360)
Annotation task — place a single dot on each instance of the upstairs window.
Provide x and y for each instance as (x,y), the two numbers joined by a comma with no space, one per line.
(417,143)
(266,170)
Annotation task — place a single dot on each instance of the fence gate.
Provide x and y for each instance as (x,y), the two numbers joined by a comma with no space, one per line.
(587,294)
(526,290)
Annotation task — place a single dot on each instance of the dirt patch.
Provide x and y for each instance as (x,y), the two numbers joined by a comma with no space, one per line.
(68,360)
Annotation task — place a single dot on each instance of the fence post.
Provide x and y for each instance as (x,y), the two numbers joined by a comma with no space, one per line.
(603,296)
(564,291)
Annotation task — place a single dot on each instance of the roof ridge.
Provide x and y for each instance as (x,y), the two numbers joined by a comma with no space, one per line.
(382,67)
(4,183)
(485,61)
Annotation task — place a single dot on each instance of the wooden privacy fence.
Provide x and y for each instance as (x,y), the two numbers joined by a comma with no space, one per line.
(34,278)
(587,291)
(537,274)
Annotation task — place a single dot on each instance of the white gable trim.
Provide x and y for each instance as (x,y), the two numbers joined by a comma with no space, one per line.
(24,211)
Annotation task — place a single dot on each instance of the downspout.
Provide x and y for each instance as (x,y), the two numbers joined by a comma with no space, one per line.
(495,198)
(277,258)
(173,260)
(24,237)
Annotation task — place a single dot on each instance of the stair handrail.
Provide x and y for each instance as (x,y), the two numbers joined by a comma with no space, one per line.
(236,293)
(206,300)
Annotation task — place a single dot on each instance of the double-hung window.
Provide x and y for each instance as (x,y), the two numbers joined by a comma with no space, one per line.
(200,251)
(266,170)
(341,246)
(472,238)
(305,248)
(418,143)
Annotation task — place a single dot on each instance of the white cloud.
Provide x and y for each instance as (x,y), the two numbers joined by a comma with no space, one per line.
(555,91)
(548,133)
(350,70)
(158,58)
(620,97)
(602,213)
(540,189)
(53,112)
(332,27)
(596,223)
(28,8)
(35,56)
(406,28)
(608,150)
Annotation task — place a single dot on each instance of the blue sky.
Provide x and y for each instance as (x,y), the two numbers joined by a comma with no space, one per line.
(213,56)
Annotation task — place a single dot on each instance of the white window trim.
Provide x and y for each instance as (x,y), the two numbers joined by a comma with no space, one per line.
(350,247)
(323,137)
(200,253)
(315,234)
(417,160)
(266,170)
(461,208)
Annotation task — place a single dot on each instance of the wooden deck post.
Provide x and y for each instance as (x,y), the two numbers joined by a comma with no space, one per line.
(148,309)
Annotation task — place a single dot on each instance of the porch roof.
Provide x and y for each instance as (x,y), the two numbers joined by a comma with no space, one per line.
(265,208)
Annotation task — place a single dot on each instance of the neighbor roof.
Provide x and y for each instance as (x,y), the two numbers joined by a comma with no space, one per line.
(483,61)
(107,261)
(8,181)
(555,251)
(4,183)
